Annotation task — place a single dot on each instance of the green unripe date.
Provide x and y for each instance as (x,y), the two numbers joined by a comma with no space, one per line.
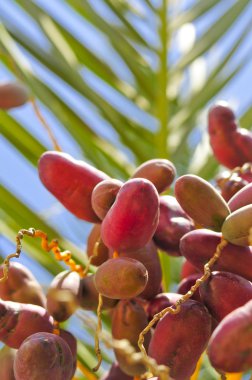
(236,228)
(201,201)
(242,198)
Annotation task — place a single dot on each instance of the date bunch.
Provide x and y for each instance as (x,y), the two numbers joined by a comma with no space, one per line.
(134,221)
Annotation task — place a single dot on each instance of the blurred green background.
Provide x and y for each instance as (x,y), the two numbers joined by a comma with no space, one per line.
(119,82)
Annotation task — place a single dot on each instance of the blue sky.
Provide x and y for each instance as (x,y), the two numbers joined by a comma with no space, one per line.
(21,177)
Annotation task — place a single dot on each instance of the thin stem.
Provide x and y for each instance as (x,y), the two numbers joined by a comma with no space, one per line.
(124,347)
(56,328)
(45,124)
(177,306)
(115,255)
(37,111)
(19,238)
(97,334)
(65,256)
(53,246)
(85,371)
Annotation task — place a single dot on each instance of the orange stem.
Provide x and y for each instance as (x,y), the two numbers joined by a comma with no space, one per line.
(85,371)
(115,255)
(197,369)
(65,256)
(234,376)
(56,329)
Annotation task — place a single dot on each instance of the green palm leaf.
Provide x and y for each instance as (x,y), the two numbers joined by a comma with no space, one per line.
(139,108)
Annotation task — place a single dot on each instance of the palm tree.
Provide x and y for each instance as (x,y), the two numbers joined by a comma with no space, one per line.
(118,82)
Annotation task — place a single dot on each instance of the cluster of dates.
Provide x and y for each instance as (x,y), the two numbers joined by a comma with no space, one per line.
(132,221)
(33,350)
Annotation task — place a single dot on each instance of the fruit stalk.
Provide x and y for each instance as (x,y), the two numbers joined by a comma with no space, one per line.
(19,237)
(87,374)
(97,334)
(65,256)
(45,125)
(125,348)
(176,307)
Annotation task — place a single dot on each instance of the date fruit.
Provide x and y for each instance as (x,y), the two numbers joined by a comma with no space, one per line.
(236,228)
(121,278)
(159,171)
(96,247)
(201,201)
(104,195)
(173,224)
(132,220)
(71,182)
(12,94)
(43,356)
(200,245)
(231,145)
(224,292)
(230,346)
(179,339)
(128,320)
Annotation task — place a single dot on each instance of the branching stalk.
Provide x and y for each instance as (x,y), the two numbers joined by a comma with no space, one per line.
(177,306)
(53,246)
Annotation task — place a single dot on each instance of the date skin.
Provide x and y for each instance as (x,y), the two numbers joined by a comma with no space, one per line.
(132,220)
(231,145)
(199,246)
(224,292)
(18,321)
(71,182)
(179,339)
(230,346)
